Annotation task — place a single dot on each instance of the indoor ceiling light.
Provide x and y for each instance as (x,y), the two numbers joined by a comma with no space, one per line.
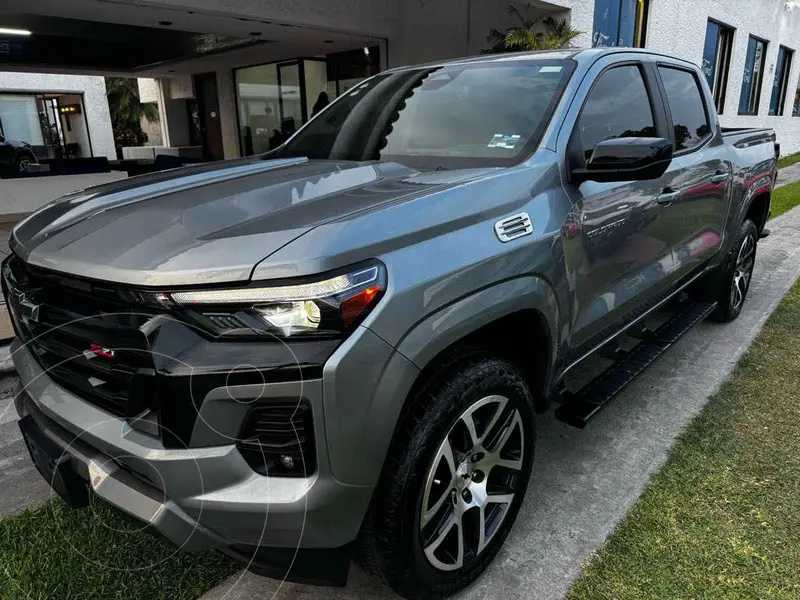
(12,31)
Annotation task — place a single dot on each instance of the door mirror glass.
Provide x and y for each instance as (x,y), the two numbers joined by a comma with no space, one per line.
(626,159)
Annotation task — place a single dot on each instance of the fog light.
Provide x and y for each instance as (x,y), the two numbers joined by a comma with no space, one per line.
(287,461)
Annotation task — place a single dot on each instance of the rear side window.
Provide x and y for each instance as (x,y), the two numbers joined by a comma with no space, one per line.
(689,114)
(617,106)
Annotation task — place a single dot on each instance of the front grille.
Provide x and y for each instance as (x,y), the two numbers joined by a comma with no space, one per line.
(278,439)
(85,337)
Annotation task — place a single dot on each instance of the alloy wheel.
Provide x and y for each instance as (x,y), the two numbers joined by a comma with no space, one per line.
(24,164)
(471,483)
(743,272)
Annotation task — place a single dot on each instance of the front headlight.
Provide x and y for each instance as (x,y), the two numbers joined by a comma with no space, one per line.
(318,307)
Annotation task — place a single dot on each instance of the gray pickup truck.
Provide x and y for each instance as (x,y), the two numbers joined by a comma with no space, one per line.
(337,350)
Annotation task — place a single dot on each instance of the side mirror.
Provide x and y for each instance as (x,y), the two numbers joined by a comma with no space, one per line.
(626,159)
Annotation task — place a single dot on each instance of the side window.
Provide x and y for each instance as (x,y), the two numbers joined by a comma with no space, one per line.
(689,114)
(617,106)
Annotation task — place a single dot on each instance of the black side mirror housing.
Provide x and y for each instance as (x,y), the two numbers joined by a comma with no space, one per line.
(626,159)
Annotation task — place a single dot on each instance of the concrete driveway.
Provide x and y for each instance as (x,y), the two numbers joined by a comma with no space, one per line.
(584,482)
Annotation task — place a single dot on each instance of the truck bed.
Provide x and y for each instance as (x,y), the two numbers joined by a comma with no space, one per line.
(744,137)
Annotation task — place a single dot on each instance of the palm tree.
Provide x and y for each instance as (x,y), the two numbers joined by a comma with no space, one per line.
(127,111)
(124,103)
(557,33)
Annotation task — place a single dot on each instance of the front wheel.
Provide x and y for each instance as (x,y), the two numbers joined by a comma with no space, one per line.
(23,164)
(454,480)
(737,274)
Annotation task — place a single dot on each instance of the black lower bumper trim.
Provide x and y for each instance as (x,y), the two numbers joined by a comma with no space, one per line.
(53,463)
(328,566)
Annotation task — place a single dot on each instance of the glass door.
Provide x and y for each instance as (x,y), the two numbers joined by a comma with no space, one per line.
(291,98)
(270,103)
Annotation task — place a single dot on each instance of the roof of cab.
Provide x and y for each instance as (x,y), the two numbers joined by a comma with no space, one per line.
(578,54)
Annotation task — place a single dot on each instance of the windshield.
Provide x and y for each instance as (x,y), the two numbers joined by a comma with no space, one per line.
(457,116)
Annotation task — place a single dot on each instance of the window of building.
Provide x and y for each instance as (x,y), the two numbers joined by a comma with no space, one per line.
(717,60)
(689,116)
(780,86)
(53,124)
(617,106)
(19,119)
(619,23)
(275,100)
(753,76)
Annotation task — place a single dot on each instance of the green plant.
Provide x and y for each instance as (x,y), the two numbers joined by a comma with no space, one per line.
(124,103)
(533,33)
(127,111)
(128,135)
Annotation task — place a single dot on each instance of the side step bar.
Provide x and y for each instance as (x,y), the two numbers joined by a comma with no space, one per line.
(578,408)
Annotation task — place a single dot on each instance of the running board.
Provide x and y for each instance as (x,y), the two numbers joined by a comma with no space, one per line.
(578,408)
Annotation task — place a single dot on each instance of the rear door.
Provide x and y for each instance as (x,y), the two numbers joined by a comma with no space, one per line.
(618,257)
(694,223)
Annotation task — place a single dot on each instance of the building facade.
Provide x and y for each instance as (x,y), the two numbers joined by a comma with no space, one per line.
(59,115)
(237,81)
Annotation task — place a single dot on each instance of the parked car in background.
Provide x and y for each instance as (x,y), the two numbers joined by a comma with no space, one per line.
(339,349)
(15,157)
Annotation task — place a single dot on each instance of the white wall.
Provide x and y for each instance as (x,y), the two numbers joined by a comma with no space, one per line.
(148,89)
(95,103)
(152,129)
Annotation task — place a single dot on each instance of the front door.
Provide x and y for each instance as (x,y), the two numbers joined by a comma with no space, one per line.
(208,102)
(617,256)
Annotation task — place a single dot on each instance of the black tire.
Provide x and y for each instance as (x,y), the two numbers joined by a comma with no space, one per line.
(23,162)
(730,299)
(392,538)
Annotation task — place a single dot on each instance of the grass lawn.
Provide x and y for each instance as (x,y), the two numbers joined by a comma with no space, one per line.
(788,160)
(722,518)
(785,197)
(97,553)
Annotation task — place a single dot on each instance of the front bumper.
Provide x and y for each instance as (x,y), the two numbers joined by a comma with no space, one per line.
(209,497)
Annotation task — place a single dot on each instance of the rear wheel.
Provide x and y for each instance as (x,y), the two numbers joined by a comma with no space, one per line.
(737,274)
(454,480)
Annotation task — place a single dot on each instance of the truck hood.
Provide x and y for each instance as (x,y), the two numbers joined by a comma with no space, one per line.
(209,223)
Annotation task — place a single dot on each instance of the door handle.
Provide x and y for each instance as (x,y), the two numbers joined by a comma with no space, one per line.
(668,196)
(719,177)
